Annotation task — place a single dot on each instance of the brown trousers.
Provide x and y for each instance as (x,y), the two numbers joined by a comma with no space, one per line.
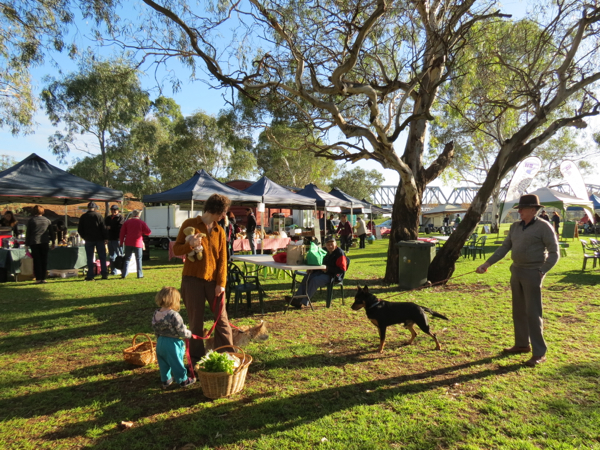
(195,293)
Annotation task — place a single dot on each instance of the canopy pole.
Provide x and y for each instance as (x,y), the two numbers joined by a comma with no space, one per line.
(191,209)
(66,218)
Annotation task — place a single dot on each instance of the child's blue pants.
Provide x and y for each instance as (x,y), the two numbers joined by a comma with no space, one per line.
(170,353)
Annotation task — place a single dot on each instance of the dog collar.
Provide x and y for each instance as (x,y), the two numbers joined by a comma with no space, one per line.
(374,304)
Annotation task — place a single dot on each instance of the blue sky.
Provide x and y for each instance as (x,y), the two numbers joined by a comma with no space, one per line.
(193,96)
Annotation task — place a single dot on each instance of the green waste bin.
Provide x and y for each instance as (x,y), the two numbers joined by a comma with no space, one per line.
(414,259)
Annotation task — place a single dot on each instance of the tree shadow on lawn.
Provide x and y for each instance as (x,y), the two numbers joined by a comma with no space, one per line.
(577,278)
(137,396)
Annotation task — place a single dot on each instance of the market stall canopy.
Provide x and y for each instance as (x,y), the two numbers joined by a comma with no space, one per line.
(593,198)
(445,209)
(324,200)
(276,196)
(376,209)
(357,206)
(34,180)
(199,188)
(551,198)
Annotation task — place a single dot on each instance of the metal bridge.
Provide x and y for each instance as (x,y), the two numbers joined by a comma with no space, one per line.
(384,195)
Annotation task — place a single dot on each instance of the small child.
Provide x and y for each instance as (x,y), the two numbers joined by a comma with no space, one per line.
(170,329)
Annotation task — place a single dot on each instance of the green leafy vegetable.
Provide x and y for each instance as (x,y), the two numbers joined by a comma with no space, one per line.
(217,362)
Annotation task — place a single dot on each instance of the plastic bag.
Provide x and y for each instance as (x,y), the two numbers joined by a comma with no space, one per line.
(315,255)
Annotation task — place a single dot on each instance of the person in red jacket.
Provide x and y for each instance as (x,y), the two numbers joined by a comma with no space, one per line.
(132,233)
(345,232)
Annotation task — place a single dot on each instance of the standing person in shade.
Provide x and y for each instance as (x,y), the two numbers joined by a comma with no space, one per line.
(330,227)
(37,238)
(204,280)
(457,220)
(534,252)
(132,234)
(229,234)
(345,232)
(60,232)
(250,229)
(92,230)
(447,220)
(556,222)
(113,223)
(361,231)
(544,215)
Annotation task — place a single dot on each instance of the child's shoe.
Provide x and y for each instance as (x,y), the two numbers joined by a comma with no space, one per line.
(188,382)
(166,384)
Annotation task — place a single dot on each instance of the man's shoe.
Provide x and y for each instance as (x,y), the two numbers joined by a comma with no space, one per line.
(89,279)
(105,277)
(515,350)
(534,361)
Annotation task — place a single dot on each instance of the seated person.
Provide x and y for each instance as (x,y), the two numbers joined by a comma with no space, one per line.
(336,263)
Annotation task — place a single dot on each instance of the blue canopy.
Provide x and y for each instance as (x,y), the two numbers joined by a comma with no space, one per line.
(595,200)
(276,196)
(199,188)
(34,180)
(324,200)
(357,206)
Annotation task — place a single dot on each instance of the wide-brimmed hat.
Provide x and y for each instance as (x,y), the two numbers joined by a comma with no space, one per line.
(528,201)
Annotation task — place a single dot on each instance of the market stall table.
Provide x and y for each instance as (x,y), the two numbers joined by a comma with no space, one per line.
(290,269)
(61,258)
(243,245)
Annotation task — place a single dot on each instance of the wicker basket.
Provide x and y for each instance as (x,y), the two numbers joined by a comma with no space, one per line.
(221,384)
(141,354)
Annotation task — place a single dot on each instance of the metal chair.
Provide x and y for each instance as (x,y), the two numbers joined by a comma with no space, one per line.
(337,282)
(479,247)
(469,245)
(239,283)
(595,253)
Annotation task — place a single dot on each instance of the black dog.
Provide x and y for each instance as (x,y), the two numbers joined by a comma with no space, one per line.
(383,314)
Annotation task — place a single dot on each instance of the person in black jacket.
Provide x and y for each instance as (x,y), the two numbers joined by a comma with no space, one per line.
(37,238)
(113,223)
(337,264)
(93,231)
(250,228)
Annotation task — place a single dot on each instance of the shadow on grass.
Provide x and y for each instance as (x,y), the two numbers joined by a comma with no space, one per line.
(574,278)
(137,396)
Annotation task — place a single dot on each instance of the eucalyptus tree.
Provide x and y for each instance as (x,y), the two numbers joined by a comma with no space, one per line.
(102,100)
(539,75)
(358,182)
(280,157)
(365,75)
(31,31)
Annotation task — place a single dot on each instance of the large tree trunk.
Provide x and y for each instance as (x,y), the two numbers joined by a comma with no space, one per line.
(405,226)
(442,266)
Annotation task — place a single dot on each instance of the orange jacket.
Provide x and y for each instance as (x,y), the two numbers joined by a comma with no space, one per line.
(213,265)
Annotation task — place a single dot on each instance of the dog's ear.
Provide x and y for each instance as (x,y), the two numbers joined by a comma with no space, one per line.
(359,289)
(366,289)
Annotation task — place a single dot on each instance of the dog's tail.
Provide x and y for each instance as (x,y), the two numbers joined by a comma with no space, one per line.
(434,314)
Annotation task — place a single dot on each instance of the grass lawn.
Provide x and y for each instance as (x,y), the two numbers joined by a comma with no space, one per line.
(318,381)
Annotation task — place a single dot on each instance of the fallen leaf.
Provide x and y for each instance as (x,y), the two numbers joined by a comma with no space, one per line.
(124,425)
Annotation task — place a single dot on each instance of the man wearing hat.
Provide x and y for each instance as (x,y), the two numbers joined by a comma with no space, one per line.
(113,223)
(534,252)
(92,230)
(337,264)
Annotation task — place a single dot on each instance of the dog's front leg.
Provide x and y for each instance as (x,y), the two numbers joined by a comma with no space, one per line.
(381,338)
